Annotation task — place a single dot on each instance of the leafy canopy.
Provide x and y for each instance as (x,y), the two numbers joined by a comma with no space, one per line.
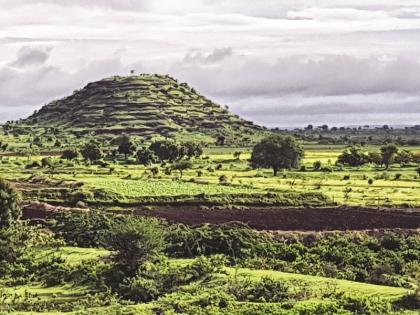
(277,152)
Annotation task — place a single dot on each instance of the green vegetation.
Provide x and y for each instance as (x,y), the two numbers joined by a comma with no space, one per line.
(139,275)
(88,178)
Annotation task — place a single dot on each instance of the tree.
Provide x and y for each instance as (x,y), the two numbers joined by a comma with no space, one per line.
(182,166)
(126,146)
(276,152)
(404,157)
(145,156)
(192,149)
(91,152)
(353,156)
(10,211)
(388,153)
(375,158)
(135,241)
(70,154)
(166,150)
(220,140)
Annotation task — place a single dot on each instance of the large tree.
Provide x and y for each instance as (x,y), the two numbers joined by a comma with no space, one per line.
(277,152)
(10,211)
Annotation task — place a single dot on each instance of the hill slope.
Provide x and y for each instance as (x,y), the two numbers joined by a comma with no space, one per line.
(144,105)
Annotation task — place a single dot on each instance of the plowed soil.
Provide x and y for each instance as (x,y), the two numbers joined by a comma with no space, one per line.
(288,219)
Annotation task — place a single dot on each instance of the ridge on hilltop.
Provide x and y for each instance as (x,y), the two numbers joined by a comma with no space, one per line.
(146,104)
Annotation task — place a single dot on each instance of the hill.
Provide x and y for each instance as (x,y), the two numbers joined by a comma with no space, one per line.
(146,104)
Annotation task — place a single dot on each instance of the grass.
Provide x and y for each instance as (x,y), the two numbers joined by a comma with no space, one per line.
(345,186)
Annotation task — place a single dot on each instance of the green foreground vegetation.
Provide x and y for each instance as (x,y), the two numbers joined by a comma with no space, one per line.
(133,265)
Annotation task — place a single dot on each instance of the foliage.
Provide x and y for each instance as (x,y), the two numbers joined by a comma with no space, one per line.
(126,146)
(166,150)
(91,152)
(145,156)
(388,153)
(70,154)
(277,153)
(353,156)
(135,241)
(10,210)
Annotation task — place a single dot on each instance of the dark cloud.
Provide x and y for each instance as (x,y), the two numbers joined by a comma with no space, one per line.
(31,56)
(306,75)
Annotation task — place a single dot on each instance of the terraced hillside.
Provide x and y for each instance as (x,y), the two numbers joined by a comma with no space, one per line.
(142,104)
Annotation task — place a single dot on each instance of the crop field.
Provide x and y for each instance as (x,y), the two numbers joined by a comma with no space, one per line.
(358,186)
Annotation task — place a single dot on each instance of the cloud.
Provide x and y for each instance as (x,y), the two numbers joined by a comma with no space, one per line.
(31,56)
(306,75)
(217,55)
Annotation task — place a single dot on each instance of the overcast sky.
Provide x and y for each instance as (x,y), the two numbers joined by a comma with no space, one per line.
(279,63)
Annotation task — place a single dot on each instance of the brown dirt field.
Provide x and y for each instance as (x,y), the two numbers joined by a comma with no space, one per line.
(296,219)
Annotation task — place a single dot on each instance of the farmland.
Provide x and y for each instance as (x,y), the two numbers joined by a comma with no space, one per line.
(137,195)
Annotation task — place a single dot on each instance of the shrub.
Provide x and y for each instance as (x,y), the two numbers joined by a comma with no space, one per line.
(267,290)
(10,210)
(135,241)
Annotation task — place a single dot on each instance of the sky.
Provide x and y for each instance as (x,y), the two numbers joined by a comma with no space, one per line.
(278,63)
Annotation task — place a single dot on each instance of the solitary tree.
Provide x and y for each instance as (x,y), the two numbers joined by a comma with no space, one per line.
(10,211)
(126,146)
(388,153)
(91,152)
(277,152)
(135,242)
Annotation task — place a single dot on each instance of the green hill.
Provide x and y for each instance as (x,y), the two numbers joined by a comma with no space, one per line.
(146,104)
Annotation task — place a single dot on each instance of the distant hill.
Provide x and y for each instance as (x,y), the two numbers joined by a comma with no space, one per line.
(146,104)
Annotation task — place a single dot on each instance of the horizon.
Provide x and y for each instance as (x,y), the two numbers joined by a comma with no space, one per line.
(278,64)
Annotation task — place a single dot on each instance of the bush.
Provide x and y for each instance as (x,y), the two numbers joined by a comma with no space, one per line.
(10,210)
(266,290)
(135,241)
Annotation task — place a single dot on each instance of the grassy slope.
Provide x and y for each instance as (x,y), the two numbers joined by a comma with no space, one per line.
(74,254)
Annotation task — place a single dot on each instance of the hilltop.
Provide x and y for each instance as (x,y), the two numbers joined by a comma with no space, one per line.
(146,104)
